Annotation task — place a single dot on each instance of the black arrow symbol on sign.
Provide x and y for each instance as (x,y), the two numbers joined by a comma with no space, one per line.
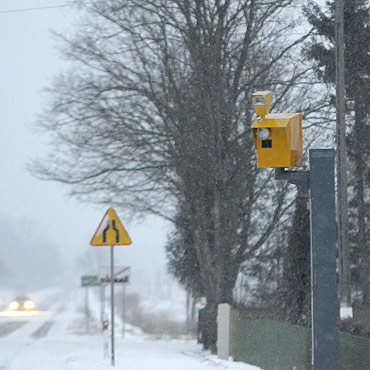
(105,233)
(114,228)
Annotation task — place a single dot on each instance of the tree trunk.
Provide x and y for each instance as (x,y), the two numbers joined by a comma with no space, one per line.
(209,328)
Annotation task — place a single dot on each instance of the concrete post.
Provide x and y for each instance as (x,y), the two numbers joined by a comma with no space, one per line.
(223,331)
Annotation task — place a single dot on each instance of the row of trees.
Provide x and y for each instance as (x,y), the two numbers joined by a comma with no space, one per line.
(154,116)
(321,50)
(357,42)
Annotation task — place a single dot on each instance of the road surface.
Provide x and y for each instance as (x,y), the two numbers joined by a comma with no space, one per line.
(56,339)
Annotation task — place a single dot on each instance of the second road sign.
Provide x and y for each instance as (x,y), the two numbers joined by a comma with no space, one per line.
(110,231)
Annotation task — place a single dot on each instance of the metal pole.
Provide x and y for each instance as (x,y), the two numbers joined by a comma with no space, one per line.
(112,299)
(87,311)
(101,303)
(320,180)
(323,260)
(124,309)
(342,202)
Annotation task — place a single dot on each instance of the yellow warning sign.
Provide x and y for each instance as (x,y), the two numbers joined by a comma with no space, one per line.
(110,231)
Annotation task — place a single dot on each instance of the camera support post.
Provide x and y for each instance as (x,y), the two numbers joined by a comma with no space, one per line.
(320,182)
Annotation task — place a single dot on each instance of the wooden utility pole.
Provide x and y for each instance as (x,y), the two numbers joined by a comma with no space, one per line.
(342,203)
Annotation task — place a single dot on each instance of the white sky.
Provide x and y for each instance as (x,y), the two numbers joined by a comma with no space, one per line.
(28,61)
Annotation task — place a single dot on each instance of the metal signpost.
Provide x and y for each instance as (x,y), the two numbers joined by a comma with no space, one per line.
(124,311)
(86,282)
(111,232)
(112,302)
(278,142)
(87,310)
(102,301)
(121,275)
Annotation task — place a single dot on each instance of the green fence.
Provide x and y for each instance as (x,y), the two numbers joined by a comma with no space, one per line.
(277,345)
(354,352)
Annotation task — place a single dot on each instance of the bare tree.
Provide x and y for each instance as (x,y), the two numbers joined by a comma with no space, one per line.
(154,116)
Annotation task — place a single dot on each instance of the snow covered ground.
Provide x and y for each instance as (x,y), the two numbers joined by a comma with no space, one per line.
(56,339)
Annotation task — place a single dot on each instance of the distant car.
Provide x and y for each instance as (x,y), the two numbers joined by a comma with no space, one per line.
(21,303)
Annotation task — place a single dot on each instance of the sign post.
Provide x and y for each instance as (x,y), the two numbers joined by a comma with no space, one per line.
(112,300)
(121,276)
(86,282)
(124,311)
(87,310)
(111,232)
(102,303)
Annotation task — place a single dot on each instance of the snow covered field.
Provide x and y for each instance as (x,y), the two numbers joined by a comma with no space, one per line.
(55,339)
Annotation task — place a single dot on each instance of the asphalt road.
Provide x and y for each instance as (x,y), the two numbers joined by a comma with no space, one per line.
(20,331)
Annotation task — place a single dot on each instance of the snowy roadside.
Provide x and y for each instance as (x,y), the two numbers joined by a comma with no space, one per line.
(138,351)
(56,339)
(141,354)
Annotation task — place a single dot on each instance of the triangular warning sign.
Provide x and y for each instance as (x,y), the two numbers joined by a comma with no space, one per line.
(110,231)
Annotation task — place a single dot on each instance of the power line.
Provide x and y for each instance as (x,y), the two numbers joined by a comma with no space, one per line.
(33,9)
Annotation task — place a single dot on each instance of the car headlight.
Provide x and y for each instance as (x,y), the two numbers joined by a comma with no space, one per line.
(13,305)
(28,305)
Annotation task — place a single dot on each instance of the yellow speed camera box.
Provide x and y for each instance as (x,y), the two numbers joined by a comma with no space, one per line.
(278,140)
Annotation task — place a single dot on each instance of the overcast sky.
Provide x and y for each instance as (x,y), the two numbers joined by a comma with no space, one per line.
(28,62)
